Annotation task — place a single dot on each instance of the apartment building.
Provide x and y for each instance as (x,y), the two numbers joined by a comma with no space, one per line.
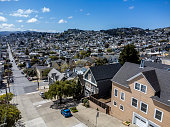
(141,95)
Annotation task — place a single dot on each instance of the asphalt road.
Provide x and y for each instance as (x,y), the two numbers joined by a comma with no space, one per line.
(35,111)
(21,84)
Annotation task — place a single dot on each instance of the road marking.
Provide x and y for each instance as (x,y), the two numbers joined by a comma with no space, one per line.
(37,122)
(80,125)
(41,102)
(39,106)
(32,92)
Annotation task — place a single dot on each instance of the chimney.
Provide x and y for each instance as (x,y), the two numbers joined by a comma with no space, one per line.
(142,64)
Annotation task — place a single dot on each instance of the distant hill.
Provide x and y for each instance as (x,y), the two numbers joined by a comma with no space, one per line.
(6,33)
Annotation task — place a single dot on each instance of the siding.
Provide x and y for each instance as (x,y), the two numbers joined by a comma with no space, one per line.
(127,114)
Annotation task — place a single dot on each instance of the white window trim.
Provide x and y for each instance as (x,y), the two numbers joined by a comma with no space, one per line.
(131,102)
(116,103)
(114,92)
(146,88)
(140,87)
(145,104)
(120,96)
(121,109)
(161,116)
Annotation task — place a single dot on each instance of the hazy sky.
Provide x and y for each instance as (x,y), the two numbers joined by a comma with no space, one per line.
(60,15)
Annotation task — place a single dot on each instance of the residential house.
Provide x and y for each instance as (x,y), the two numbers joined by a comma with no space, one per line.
(40,72)
(141,95)
(54,75)
(98,79)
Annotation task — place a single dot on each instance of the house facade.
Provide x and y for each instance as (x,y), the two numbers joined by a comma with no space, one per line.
(141,96)
(54,75)
(97,80)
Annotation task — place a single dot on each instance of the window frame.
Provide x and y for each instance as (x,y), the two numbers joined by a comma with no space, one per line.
(132,101)
(114,92)
(121,96)
(140,87)
(114,104)
(145,104)
(120,108)
(161,115)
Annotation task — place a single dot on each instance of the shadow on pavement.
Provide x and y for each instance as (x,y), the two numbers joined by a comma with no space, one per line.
(66,103)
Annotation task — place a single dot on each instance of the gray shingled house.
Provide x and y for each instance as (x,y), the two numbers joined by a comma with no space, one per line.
(97,80)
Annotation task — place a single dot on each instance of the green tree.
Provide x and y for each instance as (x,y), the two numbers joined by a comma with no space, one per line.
(26,52)
(106,45)
(45,72)
(3,98)
(129,54)
(109,50)
(8,112)
(63,89)
(99,62)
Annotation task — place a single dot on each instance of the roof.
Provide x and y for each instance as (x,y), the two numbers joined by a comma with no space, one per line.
(158,78)
(41,67)
(104,72)
(156,65)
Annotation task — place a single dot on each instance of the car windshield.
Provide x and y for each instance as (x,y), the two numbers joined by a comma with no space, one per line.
(67,111)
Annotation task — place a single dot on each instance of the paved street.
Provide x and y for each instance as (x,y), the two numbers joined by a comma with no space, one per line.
(21,84)
(35,111)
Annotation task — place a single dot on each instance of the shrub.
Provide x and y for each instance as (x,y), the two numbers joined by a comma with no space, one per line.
(74,109)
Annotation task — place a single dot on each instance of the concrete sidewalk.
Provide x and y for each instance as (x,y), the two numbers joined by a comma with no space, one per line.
(88,117)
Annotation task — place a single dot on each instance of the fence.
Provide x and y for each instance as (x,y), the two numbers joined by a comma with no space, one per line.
(101,104)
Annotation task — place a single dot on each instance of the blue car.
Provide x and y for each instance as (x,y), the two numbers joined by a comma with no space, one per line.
(66,112)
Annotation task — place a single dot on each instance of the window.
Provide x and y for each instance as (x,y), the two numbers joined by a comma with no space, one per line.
(158,115)
(143,107)
(115,92)
(140,87)
(143,88)
(134,102)
(137,86)
(121,107)
(115,103)
(122,96)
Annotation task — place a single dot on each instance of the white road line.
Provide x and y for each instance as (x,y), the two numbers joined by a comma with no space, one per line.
(41,102)
(32,92)
(80,125)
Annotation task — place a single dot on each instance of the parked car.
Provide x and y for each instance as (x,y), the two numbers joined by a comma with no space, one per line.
(30,79)
(45,80)
(42,94)
(66,112)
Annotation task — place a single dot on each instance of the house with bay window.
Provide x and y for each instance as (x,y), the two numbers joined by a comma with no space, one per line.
(141,95)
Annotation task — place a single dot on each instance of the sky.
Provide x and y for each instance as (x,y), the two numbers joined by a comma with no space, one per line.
(60,15)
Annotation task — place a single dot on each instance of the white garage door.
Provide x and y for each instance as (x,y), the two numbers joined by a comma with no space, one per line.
(140,122)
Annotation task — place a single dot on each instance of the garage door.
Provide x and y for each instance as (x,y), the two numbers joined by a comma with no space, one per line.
(139,122)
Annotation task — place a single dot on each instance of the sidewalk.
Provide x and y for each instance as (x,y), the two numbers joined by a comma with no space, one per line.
(88,117)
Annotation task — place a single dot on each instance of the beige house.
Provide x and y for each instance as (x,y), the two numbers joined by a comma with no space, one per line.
(141,95)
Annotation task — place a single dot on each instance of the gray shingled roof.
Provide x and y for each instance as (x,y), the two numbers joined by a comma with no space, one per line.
(156,65)
(152,79)
(104,72)
(158,78)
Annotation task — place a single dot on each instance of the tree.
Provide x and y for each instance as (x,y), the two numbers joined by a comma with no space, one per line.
(109,50)
(99,62)
(129,54)
(63,88)
(45,72)
(26,52)
(8,111)
(106,45)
